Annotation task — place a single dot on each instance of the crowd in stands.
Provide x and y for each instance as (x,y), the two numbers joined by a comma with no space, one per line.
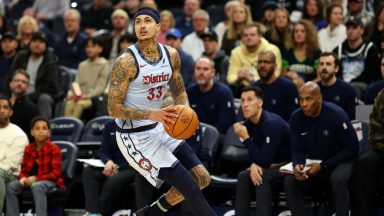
(56,59)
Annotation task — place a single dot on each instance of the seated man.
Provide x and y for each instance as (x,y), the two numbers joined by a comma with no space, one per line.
(102,185)
(266,136)
(370,164)
(211,100)
(322,131)
(40,170)
(13,142)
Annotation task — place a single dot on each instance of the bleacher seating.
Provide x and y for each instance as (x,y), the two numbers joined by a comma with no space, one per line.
(66,129)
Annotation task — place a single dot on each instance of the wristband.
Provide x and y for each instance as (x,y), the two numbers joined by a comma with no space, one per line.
(33,184)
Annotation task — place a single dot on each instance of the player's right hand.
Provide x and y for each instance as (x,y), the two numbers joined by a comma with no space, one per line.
(165,115)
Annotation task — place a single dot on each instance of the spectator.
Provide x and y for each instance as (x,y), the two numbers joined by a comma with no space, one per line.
(173,39)
(359,59)
(26,27)
(268,152)
(269,14)
(370,164)
(222,27)
(356,10)
(335,32)
(91,79)
(103,185)
(97,17)
(42,25)
(20,102)
(120,21)
(376,31)
(241,70)
(9,47)
(218,56)
(200,22)
(302,60)
(375,87)
(184,22)
(275,100)
(314,12)
(71,48)
(335,90)
(280,32)
(212,101)
(240,18)
(167,21)
(42,66)
(125,41)
(40,170)
(50,11)
(320,130)
(13,141)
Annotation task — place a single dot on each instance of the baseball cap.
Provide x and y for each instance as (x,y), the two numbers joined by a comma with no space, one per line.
(269,5)
(9,35)
(173,32)
(210,34)
(354,21)
(38,36)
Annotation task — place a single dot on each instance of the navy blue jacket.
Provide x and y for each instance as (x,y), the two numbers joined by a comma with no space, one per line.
(269,140)
(330,137)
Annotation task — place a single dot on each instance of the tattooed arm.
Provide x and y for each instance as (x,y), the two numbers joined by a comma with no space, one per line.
(123,70)
(176,83)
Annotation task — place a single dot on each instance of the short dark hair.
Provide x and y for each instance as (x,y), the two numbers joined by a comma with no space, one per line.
(4,97)
(334,55)
(40,118)
(20,71)
(258,92)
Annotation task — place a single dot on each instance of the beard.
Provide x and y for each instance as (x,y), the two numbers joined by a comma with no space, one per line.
(267,75)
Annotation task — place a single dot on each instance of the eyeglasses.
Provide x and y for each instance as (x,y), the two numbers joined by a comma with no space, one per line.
(20,81)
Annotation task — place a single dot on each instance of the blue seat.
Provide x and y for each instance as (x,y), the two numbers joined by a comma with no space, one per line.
(91,137)
(234,158)
(66,129)
(210,140)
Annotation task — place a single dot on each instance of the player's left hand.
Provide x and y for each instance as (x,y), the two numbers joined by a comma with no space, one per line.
(165,115)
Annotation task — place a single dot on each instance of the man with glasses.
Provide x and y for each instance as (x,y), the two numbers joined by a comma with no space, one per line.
(277,101)
(23,108)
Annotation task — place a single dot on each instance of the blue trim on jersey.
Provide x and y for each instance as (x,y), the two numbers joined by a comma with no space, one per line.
(153,63)
(169,57)
(136,63)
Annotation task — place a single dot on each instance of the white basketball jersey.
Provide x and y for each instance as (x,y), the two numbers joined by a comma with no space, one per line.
(146,90)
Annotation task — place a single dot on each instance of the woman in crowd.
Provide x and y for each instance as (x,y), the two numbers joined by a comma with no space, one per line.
(376,33)
(280,33)
(26,27)
(335,32)
(167,21)
(241,17)
(301,61)
(313,11)
(221,27)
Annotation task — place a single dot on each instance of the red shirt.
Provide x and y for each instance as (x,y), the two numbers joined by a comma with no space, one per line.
(48,161)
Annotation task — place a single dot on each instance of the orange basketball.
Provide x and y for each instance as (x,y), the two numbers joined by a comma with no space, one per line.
(185,124)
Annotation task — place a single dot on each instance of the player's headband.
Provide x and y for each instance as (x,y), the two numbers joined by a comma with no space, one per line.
(148,11)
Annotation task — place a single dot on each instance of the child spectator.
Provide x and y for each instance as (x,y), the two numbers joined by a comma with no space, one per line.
(40,170)
(90,81)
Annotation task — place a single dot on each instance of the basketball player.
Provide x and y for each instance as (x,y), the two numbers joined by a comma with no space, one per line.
(140,77)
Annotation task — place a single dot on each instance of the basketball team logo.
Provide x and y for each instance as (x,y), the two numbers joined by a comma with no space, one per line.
(184,119)
(144,163)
